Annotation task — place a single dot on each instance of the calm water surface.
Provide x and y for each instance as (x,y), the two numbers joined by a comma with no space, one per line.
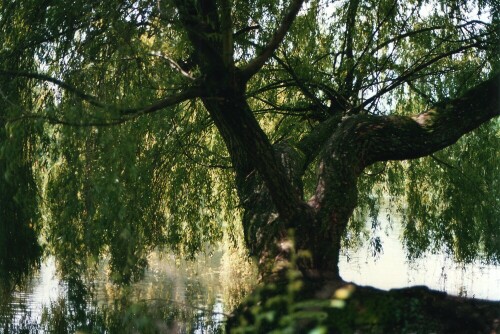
(197,295)
(173,297)
(437,271)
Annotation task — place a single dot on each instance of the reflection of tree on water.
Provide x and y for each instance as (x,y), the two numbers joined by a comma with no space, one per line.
(19,253)
(19,249)
(173,297)
(19,259)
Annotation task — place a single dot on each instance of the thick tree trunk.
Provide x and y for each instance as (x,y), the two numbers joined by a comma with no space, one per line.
(355,143)
(269,183)
(363,310)
(277,219)
(268,177)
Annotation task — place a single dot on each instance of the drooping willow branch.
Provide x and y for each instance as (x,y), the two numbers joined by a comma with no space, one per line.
(125,114)
(256,64)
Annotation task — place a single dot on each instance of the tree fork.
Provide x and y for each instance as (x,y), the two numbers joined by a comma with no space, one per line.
(362,140)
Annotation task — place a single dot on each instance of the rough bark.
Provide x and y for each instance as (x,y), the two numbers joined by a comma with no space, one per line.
(268,177)
(362,140)
(366,310)
(262,176)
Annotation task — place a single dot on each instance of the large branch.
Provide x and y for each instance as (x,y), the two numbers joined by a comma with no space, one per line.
(352,12)
(362,140)
(256,64)
(382,138)
(227,33)
(200,20)
(125,113)
(311,144)
(409,73)
(64,85)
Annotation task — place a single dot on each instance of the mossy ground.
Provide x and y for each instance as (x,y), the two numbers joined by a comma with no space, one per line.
(318,308)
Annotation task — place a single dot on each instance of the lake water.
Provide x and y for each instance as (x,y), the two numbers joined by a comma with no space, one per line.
(181,297)
(173,297)
(437,271)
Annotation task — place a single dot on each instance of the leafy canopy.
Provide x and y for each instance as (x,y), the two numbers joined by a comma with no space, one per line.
(100,166)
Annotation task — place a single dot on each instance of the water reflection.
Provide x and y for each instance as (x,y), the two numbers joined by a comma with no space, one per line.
(19,253)
(391,269)
(194,297)
(19,259)
(174,297)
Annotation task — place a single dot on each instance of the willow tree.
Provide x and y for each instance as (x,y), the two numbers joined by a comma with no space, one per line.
(159,123)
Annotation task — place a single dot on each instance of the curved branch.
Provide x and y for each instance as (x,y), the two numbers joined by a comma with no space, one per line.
(44,77)
(409,73)
(382,138)
(256,64)
(170,100)
(362,140)
(175,65)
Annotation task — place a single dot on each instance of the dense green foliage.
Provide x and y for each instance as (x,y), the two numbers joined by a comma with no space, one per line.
(19,198)
(84,144)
